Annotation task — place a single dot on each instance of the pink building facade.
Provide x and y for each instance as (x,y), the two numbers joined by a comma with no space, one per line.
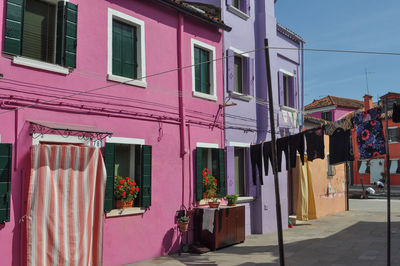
(160,106)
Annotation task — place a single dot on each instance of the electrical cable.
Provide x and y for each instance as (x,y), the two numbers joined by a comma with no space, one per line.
(205,62)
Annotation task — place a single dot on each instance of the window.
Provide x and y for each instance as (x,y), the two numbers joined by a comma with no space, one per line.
(204,70)
(241,8)
(126,49)
(363,167)
(236,3)
(394,134)
(395,166)
(287,85)
(239,161)
(240,74)
(5,181)
(45,31)
(214,160)
(286,93)
(326,116)
(124,159)
(331,171)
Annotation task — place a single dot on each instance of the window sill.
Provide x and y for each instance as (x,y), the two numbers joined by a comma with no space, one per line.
(124,212)
(205,201)
(392,142)
(241,96)
(23,61)
(238,12)
(288,108)
(127,81)
(245,199)
(205,96)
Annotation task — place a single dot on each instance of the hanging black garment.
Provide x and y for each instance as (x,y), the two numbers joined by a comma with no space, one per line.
(340,148)
(282,144)
(315,144)
(256,162)
(267,152)
(296,144)
(396,113)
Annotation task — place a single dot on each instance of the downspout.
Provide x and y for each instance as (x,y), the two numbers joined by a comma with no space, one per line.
(302,80)
(181,104)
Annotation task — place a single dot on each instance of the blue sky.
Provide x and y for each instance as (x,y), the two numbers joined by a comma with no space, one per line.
(368,25)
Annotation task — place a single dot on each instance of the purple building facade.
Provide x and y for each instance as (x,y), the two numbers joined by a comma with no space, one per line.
(247,120)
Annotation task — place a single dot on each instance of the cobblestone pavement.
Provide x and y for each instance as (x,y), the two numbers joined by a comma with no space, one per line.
(357,237)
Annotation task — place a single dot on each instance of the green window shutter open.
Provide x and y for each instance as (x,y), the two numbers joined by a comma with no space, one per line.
(124,50)
(13,28)
(202,71)
(110,168)
(67,34)
(5,181)
(199,173)
(221,173)
(145,194)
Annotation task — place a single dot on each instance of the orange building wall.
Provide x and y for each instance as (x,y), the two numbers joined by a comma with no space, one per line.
(328,203)
(394,152)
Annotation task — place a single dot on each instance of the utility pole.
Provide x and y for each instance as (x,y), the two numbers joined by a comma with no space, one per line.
(274,156)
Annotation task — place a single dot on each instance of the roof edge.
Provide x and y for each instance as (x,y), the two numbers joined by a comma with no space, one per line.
(288,33)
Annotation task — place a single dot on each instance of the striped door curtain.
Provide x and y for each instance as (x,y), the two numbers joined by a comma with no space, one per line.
(65,206)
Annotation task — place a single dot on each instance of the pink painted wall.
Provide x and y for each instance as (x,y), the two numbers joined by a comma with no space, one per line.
(127,111)
(337,113)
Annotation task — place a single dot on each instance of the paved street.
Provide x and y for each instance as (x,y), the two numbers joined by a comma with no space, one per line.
(357,237)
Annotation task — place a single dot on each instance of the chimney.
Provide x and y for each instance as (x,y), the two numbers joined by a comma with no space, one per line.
(367,102)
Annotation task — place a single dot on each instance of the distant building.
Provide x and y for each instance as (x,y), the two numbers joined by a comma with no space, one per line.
(332,108)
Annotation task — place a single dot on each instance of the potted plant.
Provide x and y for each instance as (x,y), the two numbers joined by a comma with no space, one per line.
(183,223)
(210,187)
(232,199)
(125,191)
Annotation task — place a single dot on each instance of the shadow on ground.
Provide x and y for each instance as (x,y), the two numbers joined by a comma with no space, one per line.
(363,243)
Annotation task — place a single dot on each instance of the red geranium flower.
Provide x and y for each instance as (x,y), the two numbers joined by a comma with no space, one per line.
(127,178)
(121,182)
(123,194)
(137,189)
(134,183)
(204,173)
(131,191)
(365,134)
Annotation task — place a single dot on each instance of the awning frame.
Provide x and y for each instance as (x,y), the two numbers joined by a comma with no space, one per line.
(66,130)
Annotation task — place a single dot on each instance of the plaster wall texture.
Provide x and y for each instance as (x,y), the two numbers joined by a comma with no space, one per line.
(149,113)
(328,202)
(337,113)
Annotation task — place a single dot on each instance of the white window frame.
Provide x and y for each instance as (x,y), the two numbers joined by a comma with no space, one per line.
(213,79)
(141,49)
(131,210)
(37,138)
(233,93)
(238,12)
(38,64)
(389,128)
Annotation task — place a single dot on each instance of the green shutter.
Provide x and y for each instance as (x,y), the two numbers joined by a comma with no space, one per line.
(13,28)
(5,181)
(145,193)
(205,72)
(138,173)
(110,168)
(124,50)
(199,175)
(221,173)
(197,70)
(67,19)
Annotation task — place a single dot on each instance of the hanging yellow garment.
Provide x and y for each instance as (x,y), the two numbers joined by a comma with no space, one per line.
(305,208)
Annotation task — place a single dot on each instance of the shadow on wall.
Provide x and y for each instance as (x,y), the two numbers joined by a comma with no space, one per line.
(349,246)
(168,244)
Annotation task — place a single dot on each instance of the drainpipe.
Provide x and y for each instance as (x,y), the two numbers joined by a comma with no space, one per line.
(180,84)
(181,104)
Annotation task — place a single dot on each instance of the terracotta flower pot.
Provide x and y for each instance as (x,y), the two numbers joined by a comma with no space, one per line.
(183,227)
(213,204)
(120,204)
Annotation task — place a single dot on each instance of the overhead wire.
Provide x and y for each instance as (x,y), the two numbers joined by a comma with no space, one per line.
(259,101)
